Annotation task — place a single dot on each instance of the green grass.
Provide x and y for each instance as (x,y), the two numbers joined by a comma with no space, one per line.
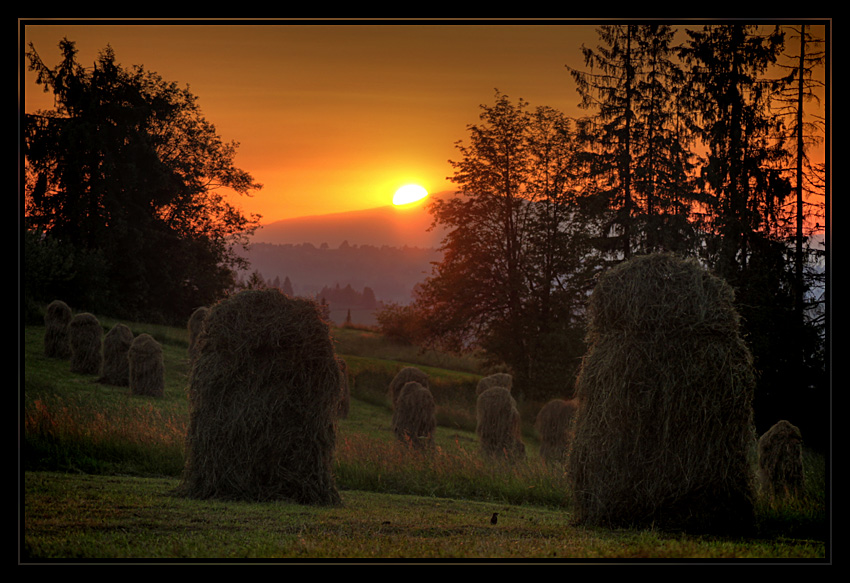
(100,465)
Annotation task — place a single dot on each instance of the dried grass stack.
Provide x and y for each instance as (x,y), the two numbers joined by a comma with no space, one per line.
(57,320)
(116,362)
(554,425)
(414,417)
(85,336)
(147,368)
(499,426)
(194,327)
(499,379)
(780,452)
(345,390)
(404,376)
(264,391)
(664,427)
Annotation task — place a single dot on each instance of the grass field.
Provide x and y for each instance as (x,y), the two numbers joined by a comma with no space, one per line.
(99,466)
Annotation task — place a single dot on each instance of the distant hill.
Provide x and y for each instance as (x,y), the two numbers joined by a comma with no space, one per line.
(385,225)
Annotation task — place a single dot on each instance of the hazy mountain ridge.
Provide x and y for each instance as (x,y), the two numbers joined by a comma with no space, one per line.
(409,225)
(391,272)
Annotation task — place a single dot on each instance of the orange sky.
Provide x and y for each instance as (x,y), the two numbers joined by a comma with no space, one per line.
(335,117)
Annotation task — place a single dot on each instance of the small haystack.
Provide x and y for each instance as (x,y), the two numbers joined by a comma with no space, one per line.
(414,416)
(194,326)
(404,376)
(780,452)
(264,391)
(499,427)
(554,425)
(57,320)
(664,428)
(345,389)
(116,363)
(85,336)
(147,368)
(499,379)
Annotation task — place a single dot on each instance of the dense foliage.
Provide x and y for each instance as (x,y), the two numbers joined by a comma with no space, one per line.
(124,203)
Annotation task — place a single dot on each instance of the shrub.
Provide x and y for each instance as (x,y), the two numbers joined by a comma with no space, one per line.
(554,425)
(780,460)
(194,327)
(414,416)
(85,336)
(404,376)
(499,426)
(57,320)
(499,379)
(264,390)
(664,426)
(147,368)
(116,363)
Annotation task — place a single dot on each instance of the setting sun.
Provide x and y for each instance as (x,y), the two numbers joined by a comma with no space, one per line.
(409,193)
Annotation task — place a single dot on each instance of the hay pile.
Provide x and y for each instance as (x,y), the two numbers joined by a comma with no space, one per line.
(345,390)
(264,391)
(115,369)
(554,425)
(414,416)
(780,453)
(499,379)
(404,376)
(147,368)
(194,327)
(664,426)
(85,336)
(57,320)
(499,426)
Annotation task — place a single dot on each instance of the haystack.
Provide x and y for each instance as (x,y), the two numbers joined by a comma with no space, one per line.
(554,425)
(264,390)
(404,376)
(499,379)
(664,426)
(194,327)
(147,368)
(499,427)
(780,452)
(345,390)
(115,369)
(414,416)
(85,336)
(57,319)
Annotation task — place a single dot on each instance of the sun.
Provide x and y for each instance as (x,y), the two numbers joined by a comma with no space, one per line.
(409,193)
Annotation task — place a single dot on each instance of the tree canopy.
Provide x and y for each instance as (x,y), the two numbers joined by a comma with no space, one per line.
(127,178)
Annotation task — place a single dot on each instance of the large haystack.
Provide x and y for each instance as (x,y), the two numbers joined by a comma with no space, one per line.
(664,425)
(414,416)
(554,425)
(780,452)
(345,389)
(115,369)
(264,390)
(147,368)
(499,427)
(85,336)
(404,376)
(57,320)
(194,327)
(499,379)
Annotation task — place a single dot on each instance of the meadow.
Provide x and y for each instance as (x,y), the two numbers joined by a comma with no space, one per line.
(99,467)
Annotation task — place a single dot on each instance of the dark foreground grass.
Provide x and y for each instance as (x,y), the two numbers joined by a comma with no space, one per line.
(99,467)
(76,517)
